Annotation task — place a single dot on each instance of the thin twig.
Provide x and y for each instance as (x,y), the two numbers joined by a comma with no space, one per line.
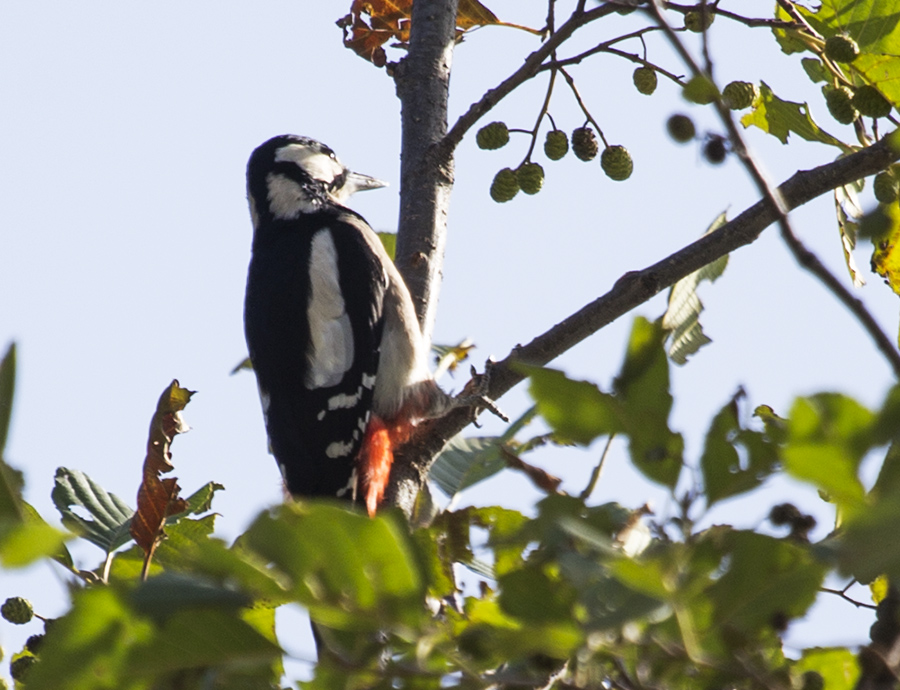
(595,475)
(843,595)
(444,149)
(587,113)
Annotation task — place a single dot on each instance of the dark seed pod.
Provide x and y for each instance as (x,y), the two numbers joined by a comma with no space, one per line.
(530,177)
(645,80)
(840,104)
(841,48)
(681,128)
(505,186)
(556,145)
(492,136)
(616,163)
(33,643)
(715,149)
(584,143)
(869,102)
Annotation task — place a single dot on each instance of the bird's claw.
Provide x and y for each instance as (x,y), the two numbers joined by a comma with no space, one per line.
(474,394)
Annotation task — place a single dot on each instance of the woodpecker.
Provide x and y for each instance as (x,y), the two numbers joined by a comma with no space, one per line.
(340,359)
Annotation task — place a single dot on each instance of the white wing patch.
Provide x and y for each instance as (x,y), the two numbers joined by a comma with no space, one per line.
(339,449)
(330,352)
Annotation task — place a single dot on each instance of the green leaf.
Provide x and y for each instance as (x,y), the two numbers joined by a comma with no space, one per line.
(814,70)
(389,241)
(577,411)
(352,572)
(466,461)
(88,648)
(838,667)
(32,539)
(682,317)
(642,388)
(779,118)
(725,473)
(868,546)
(200,501)
(111,515)
(766,577)
(162,596)
(7,390)
(828,436)
(532,595)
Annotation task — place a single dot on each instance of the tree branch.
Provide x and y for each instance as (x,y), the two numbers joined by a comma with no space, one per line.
(631,290)
(423,80)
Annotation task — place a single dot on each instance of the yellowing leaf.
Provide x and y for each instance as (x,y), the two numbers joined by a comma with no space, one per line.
(779,118)
(886,251)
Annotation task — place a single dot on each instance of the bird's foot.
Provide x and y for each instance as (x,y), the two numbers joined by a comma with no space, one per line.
(474,394)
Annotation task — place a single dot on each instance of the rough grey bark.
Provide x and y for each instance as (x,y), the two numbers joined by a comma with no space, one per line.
(423,82)
(631,290)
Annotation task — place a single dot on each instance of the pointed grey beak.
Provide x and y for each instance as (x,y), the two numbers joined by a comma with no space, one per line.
(357,182)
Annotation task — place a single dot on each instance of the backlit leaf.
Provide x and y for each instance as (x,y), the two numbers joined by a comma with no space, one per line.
(682,317)
(779,118)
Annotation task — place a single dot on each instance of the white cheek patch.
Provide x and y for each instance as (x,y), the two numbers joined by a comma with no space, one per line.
(330,352)
(287,200)
(317,165)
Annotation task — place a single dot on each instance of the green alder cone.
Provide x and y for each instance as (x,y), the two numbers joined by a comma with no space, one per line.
(584,143)
(530,177)
(841,49)
(492,136)
(840,105)
(739,94)
(17,610)
(616,163)
(645,80)
(869,102)
(505,186)
(681,128)
(694,21)
(556,145)
(18,668)
(886,187)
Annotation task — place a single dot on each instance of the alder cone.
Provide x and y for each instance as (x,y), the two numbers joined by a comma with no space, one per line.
(530,177)
(739,94)
(840,104)
(681,128)
(492,136)
(886,187)
(841,48)
(869,102)
(584,143)
(556,145)
(645,80)
(616,163)
(505,186)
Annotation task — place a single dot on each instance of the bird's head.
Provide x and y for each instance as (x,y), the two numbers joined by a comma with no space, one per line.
(291,175)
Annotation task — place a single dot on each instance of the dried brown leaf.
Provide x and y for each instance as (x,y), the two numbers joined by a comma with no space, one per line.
(158,498)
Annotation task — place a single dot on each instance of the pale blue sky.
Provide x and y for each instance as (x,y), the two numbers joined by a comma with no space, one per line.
(124,241)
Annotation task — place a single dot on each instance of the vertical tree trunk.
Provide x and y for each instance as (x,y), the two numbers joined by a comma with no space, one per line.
(423,81)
